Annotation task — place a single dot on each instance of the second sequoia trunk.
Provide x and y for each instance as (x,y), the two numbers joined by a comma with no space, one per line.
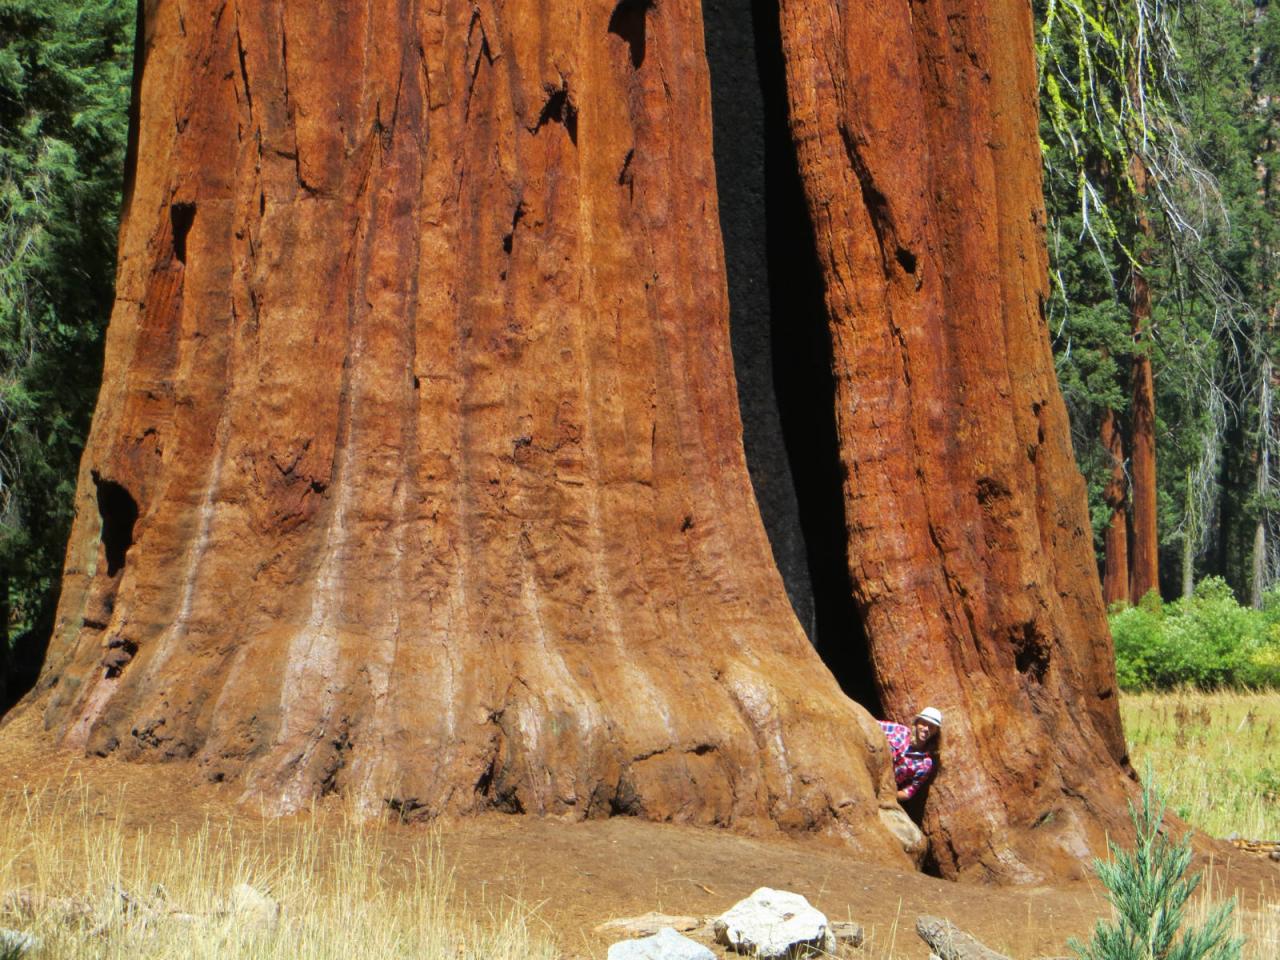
(970,547)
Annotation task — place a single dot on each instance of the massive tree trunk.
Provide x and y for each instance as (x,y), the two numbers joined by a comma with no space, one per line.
(969,542)
(417,470)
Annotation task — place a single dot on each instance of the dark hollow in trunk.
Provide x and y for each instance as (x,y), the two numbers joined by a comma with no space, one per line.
(778,330)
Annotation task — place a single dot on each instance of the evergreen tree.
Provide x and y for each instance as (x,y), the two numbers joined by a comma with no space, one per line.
(1149,891)
(1181,87)
(65,69)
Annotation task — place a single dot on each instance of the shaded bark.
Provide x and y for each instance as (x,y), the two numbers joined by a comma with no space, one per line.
(969,542)
(417,471)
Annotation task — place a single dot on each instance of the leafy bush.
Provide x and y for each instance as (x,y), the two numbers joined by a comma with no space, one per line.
(1207,641)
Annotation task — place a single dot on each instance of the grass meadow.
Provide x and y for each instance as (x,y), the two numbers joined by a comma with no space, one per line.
(1216,757)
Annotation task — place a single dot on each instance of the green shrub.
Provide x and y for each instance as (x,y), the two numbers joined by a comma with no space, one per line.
(1207,641)
(1139,642)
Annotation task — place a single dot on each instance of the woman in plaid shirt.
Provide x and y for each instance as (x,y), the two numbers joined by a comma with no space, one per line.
(913,749)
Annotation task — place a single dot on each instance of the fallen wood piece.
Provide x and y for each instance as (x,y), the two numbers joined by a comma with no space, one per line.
(949,942)
(846,931)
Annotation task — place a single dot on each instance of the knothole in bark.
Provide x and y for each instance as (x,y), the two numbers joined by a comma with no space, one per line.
(181,216)
(119,512)
(628,22)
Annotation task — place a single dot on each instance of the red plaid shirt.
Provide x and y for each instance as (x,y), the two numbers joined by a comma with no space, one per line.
(911,768)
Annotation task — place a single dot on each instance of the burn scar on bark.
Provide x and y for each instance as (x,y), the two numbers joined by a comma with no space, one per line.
(1030,650)
(628,23)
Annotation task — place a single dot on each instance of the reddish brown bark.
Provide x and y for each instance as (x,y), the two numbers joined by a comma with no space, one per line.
(1144,562)
(419,383)
(1115,539)
(417,470)
(969,542)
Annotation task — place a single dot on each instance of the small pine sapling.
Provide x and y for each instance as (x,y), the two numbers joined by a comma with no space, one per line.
(1149,892)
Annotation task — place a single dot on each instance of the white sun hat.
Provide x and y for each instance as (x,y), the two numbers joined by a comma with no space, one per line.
(931,715)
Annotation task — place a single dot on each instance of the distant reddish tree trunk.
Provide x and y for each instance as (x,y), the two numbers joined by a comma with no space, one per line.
(1115,539)
(417,470)
(1144,561)
(970,547)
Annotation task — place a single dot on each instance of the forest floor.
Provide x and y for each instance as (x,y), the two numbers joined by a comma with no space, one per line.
(73,827)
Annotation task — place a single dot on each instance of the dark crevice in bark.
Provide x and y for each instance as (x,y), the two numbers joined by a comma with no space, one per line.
(628,22)
(781,344)
(119,512)
(182,216)
(559,108)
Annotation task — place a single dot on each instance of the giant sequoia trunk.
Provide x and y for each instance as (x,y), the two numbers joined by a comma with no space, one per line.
(1115,539)
(970,547)
(417,470)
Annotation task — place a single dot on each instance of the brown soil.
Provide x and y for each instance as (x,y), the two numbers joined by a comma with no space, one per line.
(574,876)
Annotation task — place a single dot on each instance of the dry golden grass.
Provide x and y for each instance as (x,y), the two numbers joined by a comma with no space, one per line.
(88,888)
(1216,757)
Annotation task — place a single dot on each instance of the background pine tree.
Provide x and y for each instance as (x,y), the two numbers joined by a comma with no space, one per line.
(65,69)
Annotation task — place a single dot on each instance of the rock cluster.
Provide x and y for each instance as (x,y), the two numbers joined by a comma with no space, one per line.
(768,925)
(773,925)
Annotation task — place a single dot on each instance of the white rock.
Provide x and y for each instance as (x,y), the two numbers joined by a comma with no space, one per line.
(17,942)
(253,907)
(907,833)
(666,944)
(771,924)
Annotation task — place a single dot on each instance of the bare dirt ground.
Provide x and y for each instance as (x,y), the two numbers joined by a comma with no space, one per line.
(573,876)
